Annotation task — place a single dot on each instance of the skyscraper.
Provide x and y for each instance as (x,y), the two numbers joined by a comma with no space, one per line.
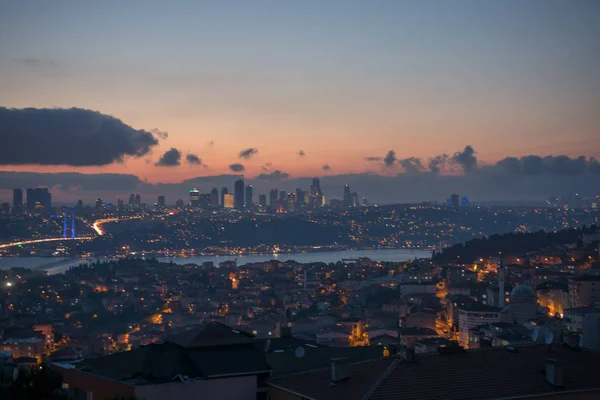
(161,201)
(262,200)
(194,197)
(224,191)
(228,201)
(38,197)
(18,198)
(291,202)
(214,198)
(454,200)
(120,205)
(249,199)
(347,196)
(132,201)
(299,198)
(238,194)
(273,197)
(138,201)
(179,204)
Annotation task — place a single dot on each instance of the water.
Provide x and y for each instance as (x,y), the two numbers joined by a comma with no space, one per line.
(57,265)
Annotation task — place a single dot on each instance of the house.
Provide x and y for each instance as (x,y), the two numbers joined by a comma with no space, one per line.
(209,362)
(584,290)
(582,327)
(496,373)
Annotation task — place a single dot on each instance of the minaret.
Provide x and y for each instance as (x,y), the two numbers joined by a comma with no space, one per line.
(501,283)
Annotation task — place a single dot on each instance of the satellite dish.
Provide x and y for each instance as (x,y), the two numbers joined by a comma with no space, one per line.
(300,352)
(548,338)
(535,334)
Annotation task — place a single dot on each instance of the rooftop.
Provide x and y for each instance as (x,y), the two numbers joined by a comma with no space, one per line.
(451,376)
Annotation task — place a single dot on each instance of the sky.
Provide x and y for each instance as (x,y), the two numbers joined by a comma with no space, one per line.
(304,87)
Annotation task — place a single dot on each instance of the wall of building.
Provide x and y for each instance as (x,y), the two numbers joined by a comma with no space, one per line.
(234,388)
(101,388)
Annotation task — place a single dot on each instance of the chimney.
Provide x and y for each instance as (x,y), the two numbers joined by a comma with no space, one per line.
(408,354)
(554,373)
(339,369)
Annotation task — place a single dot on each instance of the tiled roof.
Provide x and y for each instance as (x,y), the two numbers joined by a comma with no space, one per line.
(480,374)
(210,334)
(157,363)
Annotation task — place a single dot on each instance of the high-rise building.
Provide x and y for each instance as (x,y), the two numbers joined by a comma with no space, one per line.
(249,195)
(18,198)
(214,198)
(299,198)
(454,200)
(228,201)
(262,200)
(205,200)
(161,201)
(224,191)
(316,195)
(273,197)
(238,194)
(179,204)
(38,197)
(138,201)
(347,196)
(79,205)
(99,205)
(291,202)
(120,205)
(282,197)
(132,201)
(194,197)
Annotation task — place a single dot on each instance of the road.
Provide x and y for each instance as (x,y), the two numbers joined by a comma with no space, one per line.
(56,239)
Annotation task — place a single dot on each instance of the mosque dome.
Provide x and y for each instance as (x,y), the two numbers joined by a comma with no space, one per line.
(523,291)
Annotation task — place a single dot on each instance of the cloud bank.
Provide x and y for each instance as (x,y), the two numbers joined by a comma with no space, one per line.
(72,136)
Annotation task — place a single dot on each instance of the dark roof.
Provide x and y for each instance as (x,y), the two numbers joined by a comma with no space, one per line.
(210,334)
(157,363)
(417,330)
(286,362)
(318,384)
(586,278)
(584,310)
(455,376)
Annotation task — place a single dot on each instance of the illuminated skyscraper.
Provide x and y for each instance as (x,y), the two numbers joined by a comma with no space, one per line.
(224,191)
(228,201)
(195,197)
(238,194)
(291,202)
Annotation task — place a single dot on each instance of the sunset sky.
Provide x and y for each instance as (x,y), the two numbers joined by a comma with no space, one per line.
(339,80)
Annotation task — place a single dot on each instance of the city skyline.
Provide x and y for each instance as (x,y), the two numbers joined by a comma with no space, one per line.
(357,91)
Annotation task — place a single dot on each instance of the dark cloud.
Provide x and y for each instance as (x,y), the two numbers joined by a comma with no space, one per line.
(276,175)
(411,165)
(466,159)
(326,167)
(371,159)
(248,153)
(67,180)
(211,143)
(237,167)
(73,136)
(437,163)
(390,158)
(193,159)
(550,165)
(266,166)
(171,158)
(160,134)
(301,153)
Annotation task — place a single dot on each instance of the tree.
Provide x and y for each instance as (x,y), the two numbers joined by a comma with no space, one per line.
(43,383)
